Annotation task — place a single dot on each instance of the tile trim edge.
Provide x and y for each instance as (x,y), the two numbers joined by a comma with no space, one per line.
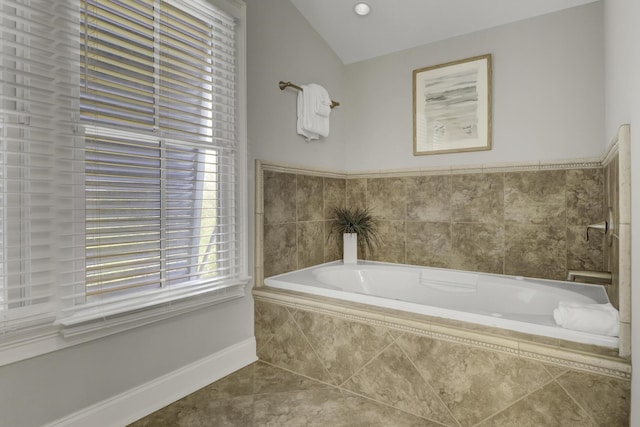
(590,163)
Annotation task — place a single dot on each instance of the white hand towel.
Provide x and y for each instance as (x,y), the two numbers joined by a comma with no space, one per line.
(323,103)
(312,123)
(300,124)
(601,319)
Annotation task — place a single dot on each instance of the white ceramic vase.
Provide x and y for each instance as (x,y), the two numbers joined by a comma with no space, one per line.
(350,248)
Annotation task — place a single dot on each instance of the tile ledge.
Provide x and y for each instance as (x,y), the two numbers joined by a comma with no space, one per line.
(571,355)
(586,163)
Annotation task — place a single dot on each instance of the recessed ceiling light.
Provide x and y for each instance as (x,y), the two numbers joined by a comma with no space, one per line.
(362,9)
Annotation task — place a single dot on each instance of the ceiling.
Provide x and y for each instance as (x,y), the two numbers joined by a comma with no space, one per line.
(395,25)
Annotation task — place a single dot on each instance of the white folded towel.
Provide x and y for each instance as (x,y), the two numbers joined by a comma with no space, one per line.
(314,107)
(601,319)
(323,103)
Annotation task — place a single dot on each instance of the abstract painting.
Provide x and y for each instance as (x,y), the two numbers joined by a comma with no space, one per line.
(452,107)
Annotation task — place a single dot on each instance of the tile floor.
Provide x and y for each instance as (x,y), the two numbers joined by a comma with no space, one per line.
(264,395)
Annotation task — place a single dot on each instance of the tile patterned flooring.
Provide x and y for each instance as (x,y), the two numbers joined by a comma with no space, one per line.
(264,395)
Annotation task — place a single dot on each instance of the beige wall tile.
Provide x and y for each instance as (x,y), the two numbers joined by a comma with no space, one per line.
(606,399)
(454,221)
(343,346)
(478,198)
(279,197)
(393,237)
(429,198)
(549,406)
(334,195)
(392,378)
(536,251)
(583,254)
(478,247)
(387,198)
(451,383)
(309,201)
(429,243)
(268,320)
(280,249)
(535,197)
(310,237)
(332,244)
(357,193)
(585,192)
(473,383)
(289,349)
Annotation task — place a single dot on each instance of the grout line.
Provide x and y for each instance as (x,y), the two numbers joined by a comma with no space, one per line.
(574,399)
(515,402)
(545,366)
(314,350)
(433,390)
(265,343)
(374,357)
(329,385)
(378,402)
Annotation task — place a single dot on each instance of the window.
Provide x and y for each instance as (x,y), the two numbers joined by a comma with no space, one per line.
(122,175)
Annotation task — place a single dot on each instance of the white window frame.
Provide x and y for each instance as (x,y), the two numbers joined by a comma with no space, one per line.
(51,337)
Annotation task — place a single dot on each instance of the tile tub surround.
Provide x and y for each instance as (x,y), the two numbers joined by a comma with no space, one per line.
(519,219)
(439,372)
(528,222)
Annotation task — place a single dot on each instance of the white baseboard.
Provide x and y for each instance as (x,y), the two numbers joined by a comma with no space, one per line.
(138,402)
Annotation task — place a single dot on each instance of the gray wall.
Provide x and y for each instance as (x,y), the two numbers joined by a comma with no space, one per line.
(548,94)
(36,391)
(283,46)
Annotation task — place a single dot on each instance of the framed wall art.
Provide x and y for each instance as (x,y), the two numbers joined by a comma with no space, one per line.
(452,107)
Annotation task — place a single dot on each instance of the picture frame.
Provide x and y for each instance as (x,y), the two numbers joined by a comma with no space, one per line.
(452,107)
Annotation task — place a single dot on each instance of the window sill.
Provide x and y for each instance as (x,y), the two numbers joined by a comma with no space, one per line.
(51,337)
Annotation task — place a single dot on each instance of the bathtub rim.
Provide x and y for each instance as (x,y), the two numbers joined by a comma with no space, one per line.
(571,355)
(447,313)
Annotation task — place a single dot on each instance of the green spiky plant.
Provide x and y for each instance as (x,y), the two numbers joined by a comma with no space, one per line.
(359,221)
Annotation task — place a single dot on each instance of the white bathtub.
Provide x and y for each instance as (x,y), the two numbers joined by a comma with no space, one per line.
(508,302)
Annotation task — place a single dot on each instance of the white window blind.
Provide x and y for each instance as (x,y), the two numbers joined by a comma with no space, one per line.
(121,183)
(158,105)
(38,104)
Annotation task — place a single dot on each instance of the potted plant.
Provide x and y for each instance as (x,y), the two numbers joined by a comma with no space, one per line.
(358,228)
